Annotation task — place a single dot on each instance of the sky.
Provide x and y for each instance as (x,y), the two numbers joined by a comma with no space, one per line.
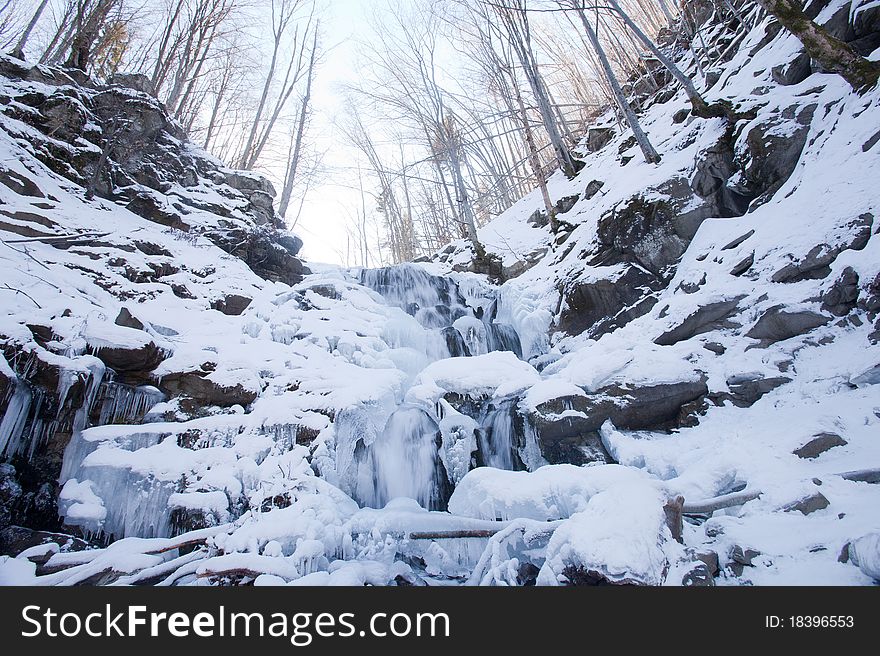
(323,219)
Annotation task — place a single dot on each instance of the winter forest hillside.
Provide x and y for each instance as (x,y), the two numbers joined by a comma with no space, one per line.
(606,310)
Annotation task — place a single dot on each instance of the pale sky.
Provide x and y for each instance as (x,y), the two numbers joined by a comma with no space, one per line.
(322,223)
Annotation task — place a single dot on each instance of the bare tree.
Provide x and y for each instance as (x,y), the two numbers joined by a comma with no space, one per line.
(514,16)
(283,13)
(648,150)
(296,151)
(18,51)
(90,18)
(699,105)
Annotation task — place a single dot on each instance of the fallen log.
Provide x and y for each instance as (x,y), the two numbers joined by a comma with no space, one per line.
(453,535)
(719,503)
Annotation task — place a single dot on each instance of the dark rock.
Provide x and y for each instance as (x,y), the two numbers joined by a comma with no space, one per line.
(20,184)
(232,304)
(698,576)
(629,407)
(712,169)
(527,574)
(538,219)
(652,228)
(743,555)
(689,287)
(133,365)
(126,319)
(743,265)
(598,138)
(777,324)
(155,209)
(739,240)
(715,348)
(794,72)
(820,443)
(199,391)
(65,116)
(870,143)
(269,253)
(843,295)
(714,316)
(710,559)
(681,115)
(143,119)
(839,26)
(248,182)
(809,504)
(817,262)
(566,203)
(16,539)
(712,77)
(148,248)
(593,188)
(745,392)
(769,158)
(136,81)
(599,306)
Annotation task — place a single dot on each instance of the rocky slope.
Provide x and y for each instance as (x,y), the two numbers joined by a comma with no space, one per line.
(675,388)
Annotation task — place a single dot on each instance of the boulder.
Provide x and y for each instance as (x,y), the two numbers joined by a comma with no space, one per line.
(128,320)
(593,188)
(864,553)
(771,152)
(713,316)
(199,391)
(231,304)
(246,182)
(777,324)
(567,428)
(794,72)
(65,115)
(820,443)
(600,306)
(746,391)
(842,297)
(809,504)
(817,262)
(132,364)
(20,184)
(566,203)
(136,81)
(598,138)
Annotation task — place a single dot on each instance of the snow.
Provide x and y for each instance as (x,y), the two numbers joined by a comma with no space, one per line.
(364,415)
(551,492)
(621,533)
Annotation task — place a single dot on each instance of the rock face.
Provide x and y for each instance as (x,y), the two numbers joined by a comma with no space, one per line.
(777,324)
(568,427)
(707,318)
(599,306)
(147,163)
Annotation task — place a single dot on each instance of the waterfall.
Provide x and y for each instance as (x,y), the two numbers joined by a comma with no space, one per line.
(405,461)
(422,452)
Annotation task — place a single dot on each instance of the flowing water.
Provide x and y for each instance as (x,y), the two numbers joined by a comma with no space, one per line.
(418,452)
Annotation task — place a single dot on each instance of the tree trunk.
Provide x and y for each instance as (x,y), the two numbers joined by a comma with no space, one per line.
(18,51)
(700,107)
(300,131)
(87,30)
(832,54)
(650,154)
(535,163)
